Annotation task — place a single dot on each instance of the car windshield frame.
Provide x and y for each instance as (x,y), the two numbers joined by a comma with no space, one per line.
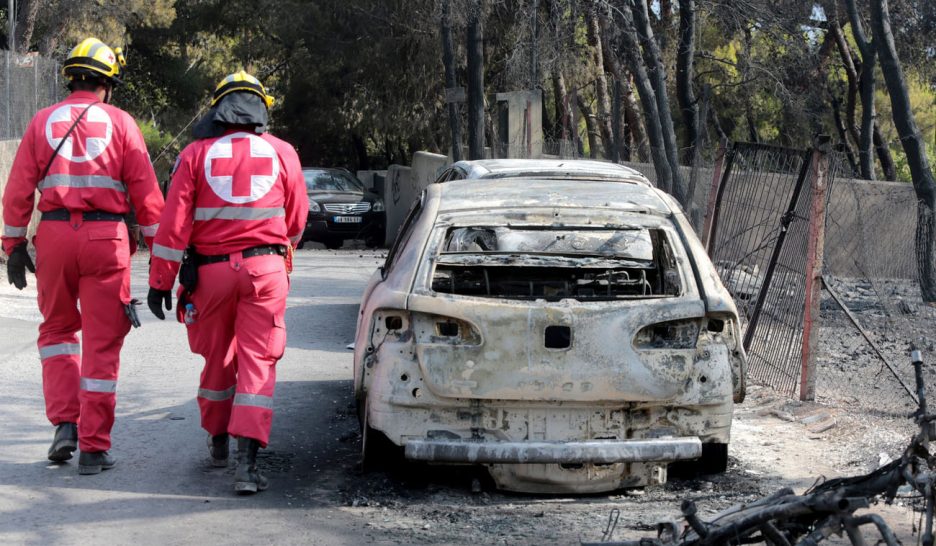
(311,176)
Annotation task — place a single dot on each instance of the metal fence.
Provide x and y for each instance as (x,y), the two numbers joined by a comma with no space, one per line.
(870,269)
(758,244)
(28,83)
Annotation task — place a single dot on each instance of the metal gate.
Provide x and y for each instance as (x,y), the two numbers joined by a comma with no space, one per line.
(758,243)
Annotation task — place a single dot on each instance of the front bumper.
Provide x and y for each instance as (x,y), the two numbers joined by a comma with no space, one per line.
(322,226)
(593,451)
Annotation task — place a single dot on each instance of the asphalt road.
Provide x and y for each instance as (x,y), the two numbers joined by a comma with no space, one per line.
(163,490)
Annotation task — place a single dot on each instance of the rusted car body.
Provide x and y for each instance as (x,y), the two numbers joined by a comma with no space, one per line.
(571,336)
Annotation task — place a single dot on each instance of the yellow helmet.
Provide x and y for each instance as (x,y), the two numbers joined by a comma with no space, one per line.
(92,58)
(241,81)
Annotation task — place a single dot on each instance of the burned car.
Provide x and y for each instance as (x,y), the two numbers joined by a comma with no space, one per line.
(571,336)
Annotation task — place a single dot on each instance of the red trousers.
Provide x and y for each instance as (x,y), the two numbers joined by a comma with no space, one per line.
(240,329)
(87,262)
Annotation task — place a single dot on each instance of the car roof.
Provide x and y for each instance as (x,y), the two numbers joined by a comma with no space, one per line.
(511,193)
(550,168)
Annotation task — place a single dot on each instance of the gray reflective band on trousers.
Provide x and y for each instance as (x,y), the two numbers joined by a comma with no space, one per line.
(59,349)
(81,181)
(238,213)
(257,400)
(98,385)
(14,231)
(167,253)
(149,231)
(217,396)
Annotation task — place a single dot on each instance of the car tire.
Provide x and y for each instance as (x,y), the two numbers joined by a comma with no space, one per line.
(377,451)
(714,459)
(301,244)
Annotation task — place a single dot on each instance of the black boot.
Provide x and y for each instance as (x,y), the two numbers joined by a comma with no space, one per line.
(93,462)
(218,448)
(64,443)
(247,478)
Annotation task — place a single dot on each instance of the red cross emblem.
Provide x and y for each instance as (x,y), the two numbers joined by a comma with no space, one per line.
(241,167)
(89,138)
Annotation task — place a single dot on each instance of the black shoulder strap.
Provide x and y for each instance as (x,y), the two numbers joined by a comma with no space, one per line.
(64,138)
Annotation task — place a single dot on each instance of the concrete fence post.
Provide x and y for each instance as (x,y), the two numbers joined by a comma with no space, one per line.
(819,187)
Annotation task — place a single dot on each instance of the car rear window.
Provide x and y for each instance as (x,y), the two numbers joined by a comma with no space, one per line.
(553,264)
(331,181)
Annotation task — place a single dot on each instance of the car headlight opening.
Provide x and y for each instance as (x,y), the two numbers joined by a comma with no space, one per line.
(378,206)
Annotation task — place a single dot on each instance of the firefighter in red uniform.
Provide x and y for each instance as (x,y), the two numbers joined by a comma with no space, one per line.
(88,161)
(236,208)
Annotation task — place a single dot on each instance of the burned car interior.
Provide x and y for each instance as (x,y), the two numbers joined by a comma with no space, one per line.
(543,262)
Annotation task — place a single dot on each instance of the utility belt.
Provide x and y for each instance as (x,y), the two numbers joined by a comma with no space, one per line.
(263,250)
(88,216)
(188,271)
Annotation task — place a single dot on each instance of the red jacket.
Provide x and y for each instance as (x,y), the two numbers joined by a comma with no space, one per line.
(229,194)
(102,164)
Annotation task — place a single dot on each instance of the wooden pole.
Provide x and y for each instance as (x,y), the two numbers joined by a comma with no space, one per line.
(818,183)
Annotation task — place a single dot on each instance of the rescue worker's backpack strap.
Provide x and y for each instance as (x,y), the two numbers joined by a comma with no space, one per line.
(64,138)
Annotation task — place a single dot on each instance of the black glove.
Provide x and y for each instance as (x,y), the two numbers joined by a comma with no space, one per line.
(17,264)
(155,300)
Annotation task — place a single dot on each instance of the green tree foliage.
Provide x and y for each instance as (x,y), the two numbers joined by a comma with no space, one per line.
(360,82)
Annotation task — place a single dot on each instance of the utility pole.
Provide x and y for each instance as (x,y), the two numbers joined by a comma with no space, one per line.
(11,26)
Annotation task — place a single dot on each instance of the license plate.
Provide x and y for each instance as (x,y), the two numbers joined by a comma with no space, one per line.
(347,219)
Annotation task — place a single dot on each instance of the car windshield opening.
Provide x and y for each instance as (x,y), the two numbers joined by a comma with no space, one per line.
(567,263)
(331,181)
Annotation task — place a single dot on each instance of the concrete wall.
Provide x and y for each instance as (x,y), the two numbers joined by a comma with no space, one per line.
(398,177)
(7,153)
(402,186)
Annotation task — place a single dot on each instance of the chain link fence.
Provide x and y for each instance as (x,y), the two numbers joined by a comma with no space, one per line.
(28,83)
(870,266)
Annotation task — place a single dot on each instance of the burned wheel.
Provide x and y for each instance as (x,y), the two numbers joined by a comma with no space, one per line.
(714,459)
(377,451)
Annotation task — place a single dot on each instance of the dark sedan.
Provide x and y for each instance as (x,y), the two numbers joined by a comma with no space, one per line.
(341,208)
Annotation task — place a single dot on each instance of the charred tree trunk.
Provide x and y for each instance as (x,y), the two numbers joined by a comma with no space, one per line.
(866,87)
(684,73)
(633,129)
(648,99)
(590,128)
(848,62)
(448,59)
(846,146)
(619,151)
(657,73)
(920,170)
(475,46)
(563,116)
(26,24)
(601,84)
(884,154)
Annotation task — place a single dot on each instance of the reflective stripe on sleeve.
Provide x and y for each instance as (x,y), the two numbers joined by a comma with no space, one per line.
(81,181)
(238,213)
(166,253)
(14,231)
(149,231)
(256,400)
(217,396)
(98,385)
(59,349)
